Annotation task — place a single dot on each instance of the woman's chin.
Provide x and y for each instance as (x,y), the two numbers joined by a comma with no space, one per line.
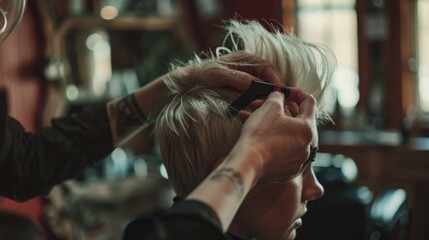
(291,233)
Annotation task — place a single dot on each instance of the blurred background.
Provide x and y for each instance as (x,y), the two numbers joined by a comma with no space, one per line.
(71,54)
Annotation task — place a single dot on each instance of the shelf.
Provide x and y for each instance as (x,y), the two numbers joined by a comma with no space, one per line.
(134,23)
(122,23)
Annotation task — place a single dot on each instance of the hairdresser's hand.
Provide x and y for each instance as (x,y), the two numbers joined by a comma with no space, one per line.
(226,72)
(124,114)
(279,140)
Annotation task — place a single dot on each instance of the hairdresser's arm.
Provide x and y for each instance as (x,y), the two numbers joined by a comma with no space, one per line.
(129,113)
(30,164)
(271,145)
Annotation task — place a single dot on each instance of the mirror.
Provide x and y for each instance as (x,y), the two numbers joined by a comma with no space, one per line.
(106,49)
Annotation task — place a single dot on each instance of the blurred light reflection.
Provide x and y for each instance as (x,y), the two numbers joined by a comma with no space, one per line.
(163,171)
(423,54)
(100,56)
(109,12)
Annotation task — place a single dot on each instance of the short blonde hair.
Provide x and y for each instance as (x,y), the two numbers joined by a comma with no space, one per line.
(194,129)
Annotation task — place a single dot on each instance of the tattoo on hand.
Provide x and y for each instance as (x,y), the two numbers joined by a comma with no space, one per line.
(128,114)
(231,175)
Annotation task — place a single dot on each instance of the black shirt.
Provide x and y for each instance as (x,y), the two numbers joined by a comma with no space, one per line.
(31,164)
(186,220)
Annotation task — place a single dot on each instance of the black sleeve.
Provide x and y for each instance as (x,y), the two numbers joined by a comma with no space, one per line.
(186,220)
(30,164)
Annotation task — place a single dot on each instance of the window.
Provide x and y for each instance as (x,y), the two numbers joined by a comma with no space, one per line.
(423,55)
(333,23)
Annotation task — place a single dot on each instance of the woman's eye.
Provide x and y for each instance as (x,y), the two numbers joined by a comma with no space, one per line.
(306,168)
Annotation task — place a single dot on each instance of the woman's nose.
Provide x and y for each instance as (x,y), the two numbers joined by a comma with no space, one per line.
(312,188)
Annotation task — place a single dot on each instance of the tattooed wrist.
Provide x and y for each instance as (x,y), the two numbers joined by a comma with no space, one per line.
(128,114)
(232,176)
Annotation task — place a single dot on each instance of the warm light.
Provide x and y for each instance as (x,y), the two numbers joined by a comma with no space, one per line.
(424,91)
(109,12)
(423,55)
(72,92)
(93,40)
(333,23)
(347,86)
(100,53)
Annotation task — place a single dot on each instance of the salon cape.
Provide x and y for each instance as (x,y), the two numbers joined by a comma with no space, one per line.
(188,219)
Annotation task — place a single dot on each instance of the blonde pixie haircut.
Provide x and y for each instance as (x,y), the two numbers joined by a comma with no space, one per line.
(194,129)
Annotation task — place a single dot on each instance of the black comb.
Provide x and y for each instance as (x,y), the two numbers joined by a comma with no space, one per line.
(257,89)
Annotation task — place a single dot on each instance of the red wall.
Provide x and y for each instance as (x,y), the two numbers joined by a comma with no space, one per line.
(21,56)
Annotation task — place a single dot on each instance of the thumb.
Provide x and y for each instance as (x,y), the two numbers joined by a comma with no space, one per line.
(277,96)
(274,102)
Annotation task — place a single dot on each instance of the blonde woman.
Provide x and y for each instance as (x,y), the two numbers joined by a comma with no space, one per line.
(196,132)
(30,164)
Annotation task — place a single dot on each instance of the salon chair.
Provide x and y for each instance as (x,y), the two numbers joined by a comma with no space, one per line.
(352,212)
(97,204)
